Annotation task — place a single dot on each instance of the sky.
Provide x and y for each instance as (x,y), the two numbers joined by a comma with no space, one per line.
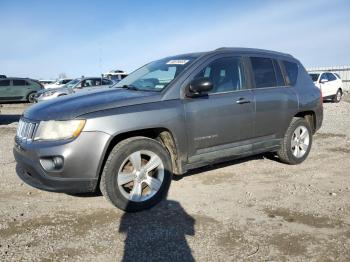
(41,39)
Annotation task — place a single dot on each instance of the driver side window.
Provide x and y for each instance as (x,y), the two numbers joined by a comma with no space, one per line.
(323,77)
(226,74)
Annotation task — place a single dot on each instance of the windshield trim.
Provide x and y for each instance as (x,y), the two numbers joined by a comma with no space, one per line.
(190,57)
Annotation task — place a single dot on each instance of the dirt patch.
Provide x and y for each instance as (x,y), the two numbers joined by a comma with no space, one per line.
(328,135)
(340,150)
(7,130)
(63,223)
(301,218)
(231,238)
(291,245)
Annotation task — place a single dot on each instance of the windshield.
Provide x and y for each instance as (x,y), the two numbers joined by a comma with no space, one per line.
(156,75)
(314,77)
(72,83)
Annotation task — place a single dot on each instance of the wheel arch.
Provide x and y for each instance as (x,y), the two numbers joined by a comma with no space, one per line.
(310,117)
(162,135)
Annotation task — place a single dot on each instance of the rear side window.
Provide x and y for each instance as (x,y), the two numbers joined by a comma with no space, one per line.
(314,77)
(264,73)
(291,71)
(5,83)
(19,82)
(106,82)
(279,76)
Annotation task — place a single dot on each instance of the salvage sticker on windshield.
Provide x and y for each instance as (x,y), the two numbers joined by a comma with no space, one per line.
(177,62)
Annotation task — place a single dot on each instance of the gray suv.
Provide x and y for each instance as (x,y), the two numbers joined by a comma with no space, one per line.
(169,116)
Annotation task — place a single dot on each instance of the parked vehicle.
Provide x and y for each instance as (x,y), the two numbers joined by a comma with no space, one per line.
(115,75)
(45,82)
(330,85)
(59,83)
(2,76)
(169,116)
(18,89)
(76,85)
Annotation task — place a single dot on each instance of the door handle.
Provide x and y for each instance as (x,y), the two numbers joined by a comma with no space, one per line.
(242,100)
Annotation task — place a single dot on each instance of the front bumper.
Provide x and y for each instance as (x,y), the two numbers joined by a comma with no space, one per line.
(82,159)
(41,98)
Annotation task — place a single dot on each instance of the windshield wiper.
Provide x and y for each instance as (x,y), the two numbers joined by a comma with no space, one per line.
(130,87)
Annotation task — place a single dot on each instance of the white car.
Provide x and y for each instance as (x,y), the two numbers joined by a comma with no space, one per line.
(59,83)
(115,75)
(329,83)
(46,82)
(77,85)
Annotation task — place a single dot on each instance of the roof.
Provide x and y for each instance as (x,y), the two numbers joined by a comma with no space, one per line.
(236,49)
(17,78)
(251,50)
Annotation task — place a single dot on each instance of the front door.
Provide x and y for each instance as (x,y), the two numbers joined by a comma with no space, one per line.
(221,123)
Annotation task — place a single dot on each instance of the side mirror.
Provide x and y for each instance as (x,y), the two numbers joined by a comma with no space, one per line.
(199,86)
(322,81)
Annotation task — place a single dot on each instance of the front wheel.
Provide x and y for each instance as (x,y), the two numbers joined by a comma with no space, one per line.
(296,143)
(137,174)
(337,97)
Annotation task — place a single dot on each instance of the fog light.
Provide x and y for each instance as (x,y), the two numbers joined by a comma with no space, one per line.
(53,163)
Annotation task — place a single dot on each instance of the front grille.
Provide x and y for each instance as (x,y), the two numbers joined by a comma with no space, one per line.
(26,130)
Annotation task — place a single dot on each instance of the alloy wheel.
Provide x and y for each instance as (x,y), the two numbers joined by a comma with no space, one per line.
(140,176)
(300,141)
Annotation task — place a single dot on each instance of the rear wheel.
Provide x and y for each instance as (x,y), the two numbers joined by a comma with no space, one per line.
(296,143)
(337,97)
(137,174)
(31,97)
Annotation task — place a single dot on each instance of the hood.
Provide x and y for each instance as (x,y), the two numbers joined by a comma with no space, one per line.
(52,89)
(72,106)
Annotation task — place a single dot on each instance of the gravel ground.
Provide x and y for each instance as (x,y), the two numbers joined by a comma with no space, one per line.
(255,209)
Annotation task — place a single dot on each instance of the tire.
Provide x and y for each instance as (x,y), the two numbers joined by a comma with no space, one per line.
(293,150)
(128,187)
(337,97)
(30,97)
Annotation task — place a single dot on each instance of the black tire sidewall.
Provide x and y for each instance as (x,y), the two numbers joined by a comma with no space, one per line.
(336,96)
(113,191)
(29,97)
(296,124)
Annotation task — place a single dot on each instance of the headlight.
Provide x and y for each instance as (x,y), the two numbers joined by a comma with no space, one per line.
(48,93)
(57,130)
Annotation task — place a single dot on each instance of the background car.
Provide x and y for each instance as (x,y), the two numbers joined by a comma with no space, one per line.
(19,89)
(76,85)
(59,83)
(115,75)
(46,82)
(2,76)
(329,83)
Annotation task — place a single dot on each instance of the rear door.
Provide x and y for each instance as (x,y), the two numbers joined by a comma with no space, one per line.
(275,103)
(5,89)
(20,88)
(220,124)
(333,83)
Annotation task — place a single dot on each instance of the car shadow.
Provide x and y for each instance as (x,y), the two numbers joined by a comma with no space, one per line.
(158,234)
(9,119)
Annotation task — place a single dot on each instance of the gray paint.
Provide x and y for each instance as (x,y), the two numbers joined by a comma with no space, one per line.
(205,129)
